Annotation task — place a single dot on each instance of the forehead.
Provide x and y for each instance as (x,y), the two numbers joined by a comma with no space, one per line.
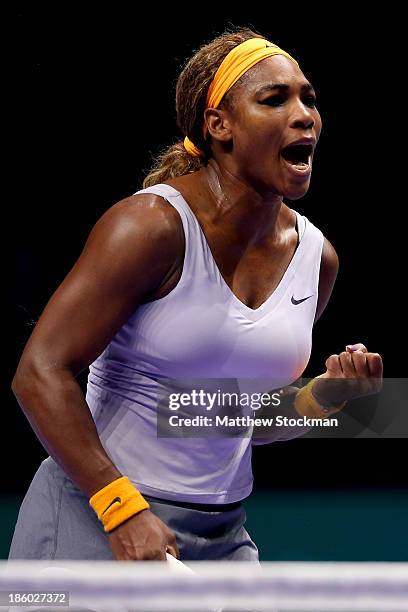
(271,70)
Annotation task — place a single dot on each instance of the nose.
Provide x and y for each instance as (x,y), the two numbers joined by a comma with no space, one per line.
(302,116)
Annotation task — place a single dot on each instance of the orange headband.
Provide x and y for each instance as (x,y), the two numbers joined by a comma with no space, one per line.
(233,66)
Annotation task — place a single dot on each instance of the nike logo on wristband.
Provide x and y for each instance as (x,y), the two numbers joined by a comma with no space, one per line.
(296,302)
(116,500)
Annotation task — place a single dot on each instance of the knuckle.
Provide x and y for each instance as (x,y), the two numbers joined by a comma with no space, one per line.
(152,553)
(139,555)
(332,358)
(159,554)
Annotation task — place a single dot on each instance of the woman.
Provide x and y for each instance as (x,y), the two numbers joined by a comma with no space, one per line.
(205,273)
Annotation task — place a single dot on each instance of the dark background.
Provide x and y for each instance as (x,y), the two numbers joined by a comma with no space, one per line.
(92,98)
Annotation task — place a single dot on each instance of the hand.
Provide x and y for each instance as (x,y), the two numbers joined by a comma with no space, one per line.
(353,373)
(143,537)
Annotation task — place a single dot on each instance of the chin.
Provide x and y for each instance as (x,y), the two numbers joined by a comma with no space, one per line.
(296,192)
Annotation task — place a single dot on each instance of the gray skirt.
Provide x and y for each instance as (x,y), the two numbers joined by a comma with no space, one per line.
(55,521)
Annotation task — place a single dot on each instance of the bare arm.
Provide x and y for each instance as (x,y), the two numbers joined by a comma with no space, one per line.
(329,267)
(131,250)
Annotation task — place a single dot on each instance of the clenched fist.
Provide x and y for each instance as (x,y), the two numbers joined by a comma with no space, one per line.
(353,373)
(143,537)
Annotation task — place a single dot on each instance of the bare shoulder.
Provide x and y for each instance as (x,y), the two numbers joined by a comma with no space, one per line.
(129,252)
(141,212)
(139,222)
(330,259)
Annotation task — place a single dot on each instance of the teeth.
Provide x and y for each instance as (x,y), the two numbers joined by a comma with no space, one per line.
(302,158)
(300,165)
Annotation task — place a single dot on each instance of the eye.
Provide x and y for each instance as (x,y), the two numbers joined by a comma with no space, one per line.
(273,100)
(310,101)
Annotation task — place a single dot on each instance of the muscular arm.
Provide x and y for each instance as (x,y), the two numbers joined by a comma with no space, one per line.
(130,251)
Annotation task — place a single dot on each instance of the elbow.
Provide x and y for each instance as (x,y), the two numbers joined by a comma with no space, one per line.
(14,384)
(17,379)
(27,373)
(20,381)
(37,376)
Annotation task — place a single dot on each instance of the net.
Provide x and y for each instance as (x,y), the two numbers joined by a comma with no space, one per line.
(215,586)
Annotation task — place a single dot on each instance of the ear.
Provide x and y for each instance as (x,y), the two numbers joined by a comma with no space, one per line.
(219,124)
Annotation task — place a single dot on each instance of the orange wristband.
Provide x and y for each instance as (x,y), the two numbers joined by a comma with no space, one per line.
(305,403)
(117,502)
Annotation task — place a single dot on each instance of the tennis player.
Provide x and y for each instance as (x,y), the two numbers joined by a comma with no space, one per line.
(205,273)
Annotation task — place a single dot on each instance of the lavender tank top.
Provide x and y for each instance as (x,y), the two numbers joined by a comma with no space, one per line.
(199,330)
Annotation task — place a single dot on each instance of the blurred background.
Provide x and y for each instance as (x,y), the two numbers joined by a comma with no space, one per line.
(91,100)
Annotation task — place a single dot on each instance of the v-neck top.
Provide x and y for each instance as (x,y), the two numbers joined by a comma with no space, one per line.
(200,332)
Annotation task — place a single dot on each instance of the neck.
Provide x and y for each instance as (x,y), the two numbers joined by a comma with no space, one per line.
(251,215)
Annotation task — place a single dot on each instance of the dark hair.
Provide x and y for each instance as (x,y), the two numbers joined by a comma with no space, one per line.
(191,94)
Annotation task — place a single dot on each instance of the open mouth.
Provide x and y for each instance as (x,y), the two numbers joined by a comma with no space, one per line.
(298,155)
